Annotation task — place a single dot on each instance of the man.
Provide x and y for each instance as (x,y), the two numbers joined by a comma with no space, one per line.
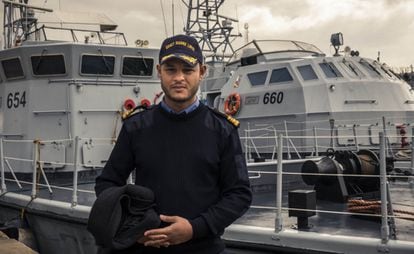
(189,155)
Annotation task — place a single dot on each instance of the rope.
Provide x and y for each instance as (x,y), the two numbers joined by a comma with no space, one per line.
(23,210)
(374,207)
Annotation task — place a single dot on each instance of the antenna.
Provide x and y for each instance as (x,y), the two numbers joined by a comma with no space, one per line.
(212,30)
(172,14)
(18,21)
(163,17)
(246,32)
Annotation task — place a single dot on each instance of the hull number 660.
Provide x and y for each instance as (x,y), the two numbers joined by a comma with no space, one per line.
(272,98)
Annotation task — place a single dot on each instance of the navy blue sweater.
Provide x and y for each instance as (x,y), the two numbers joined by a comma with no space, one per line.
(194,165)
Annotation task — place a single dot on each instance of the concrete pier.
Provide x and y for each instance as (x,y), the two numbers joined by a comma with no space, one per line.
(11,246)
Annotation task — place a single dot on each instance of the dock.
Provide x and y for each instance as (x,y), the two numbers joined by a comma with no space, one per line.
(12,246)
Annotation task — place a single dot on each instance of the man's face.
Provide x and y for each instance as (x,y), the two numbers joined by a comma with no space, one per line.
(180,81)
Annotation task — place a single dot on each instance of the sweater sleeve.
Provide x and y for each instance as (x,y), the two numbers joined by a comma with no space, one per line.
(119,165)
(235,191)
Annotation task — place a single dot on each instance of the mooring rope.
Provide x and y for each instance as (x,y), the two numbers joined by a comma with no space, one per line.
(374,207)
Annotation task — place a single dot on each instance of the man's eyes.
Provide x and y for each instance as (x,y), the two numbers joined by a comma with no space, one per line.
(186,70)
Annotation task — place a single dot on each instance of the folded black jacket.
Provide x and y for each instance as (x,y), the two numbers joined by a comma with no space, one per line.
(121,215)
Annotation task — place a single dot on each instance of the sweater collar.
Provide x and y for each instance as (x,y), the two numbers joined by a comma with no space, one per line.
(187,110)
(183,115)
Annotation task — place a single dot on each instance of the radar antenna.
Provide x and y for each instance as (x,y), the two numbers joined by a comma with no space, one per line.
(18,21)
(213,31)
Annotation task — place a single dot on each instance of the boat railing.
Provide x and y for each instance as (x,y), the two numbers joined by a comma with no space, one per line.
(386,212)
(48,33)
(317,138)
(280,173)
(37,165)
(266,47)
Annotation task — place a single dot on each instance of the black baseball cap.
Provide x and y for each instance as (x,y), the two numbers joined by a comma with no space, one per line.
(183,47)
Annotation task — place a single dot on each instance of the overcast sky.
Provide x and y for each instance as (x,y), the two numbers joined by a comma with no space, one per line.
(367,25)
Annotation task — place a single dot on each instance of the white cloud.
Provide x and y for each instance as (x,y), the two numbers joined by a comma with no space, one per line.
(368,25)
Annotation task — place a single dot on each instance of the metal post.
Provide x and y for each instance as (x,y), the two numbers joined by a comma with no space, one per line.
(315,141)
(275,148)
(13,174)
(35,159)
(278,220)
(45,178)
(387,142)
(355,137)
(332,126)
(75,171)
(3,180)
(385,231)
(246,143)
(287,138)
(412,156)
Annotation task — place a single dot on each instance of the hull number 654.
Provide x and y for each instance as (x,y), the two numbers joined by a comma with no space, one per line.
(16,99)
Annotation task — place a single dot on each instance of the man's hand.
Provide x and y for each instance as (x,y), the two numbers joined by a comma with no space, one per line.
(179,231)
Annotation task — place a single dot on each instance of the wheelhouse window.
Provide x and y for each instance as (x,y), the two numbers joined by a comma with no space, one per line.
(98,64)
(280,75)
(373,72)
(330,70)
(352,69)
(257,78)
(48,65)
(307,72)
(386,70)
(12,68)
(137,66)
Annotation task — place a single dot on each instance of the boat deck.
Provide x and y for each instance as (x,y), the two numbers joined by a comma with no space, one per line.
(331,217)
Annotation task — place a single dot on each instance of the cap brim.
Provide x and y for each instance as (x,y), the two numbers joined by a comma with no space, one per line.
(192,61)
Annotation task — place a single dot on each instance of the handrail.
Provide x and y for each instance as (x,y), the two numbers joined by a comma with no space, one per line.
(35,159)
(4,158)
(278,220)
(278,208)
(385,230)
(3,181)
(74,38)
(75,171)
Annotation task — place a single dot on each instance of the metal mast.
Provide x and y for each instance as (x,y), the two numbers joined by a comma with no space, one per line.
(212,30)
(18,21)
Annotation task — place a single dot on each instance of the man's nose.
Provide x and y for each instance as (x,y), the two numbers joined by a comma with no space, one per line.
(179,75)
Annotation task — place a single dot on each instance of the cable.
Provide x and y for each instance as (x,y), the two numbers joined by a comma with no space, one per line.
(163,15)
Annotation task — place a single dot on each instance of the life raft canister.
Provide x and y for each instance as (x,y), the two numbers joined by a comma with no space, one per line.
(129,104)
(232,104)
(145,102)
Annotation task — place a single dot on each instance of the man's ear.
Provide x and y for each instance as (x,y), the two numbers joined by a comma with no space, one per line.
(203,70)
(159,70)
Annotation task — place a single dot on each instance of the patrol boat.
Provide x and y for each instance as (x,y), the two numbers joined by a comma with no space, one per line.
(291,87)
(54,144)
(58,90)
(64,92)
(294,101)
